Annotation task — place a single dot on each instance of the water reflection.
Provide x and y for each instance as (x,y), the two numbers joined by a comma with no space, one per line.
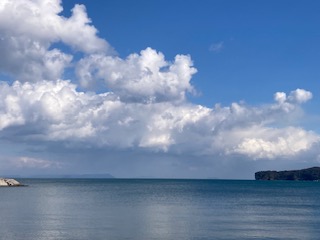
(160,209)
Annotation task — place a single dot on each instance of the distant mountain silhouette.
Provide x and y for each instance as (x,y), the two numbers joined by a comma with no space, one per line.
(87,175)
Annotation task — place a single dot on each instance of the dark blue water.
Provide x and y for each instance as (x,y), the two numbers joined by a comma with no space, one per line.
(160,209)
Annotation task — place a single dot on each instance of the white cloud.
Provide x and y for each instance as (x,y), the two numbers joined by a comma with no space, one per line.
(146,77)
(28,60)
(271,143)
(300,96)
(280,97)
(56,111)
(296,96)
(29,28)
(40,22)
(288,103)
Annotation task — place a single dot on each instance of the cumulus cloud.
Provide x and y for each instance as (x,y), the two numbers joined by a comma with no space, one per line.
(56,111)
(59,112)
(296,96)
(147,77)
(29,28)
(270,143)
(300,96)
(144,107)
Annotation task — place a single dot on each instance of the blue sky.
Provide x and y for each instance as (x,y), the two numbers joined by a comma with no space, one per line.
(266,46)
(209,89)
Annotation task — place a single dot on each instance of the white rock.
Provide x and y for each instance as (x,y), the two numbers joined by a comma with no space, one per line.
(3,182)
(9,182)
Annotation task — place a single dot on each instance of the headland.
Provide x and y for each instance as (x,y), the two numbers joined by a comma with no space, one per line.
(308,174)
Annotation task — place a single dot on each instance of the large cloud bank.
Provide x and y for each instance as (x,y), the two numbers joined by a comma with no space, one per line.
(144,106)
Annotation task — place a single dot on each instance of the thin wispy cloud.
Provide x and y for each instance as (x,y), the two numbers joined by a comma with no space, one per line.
(216,47)
(28,162)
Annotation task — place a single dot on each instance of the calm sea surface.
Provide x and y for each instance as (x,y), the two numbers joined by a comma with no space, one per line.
(160,209)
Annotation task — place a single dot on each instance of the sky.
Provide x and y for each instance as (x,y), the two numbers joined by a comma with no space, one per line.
(159,89)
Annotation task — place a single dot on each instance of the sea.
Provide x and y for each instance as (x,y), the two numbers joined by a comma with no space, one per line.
(143,209)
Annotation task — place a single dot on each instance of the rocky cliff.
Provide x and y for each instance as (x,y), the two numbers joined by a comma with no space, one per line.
(309,174)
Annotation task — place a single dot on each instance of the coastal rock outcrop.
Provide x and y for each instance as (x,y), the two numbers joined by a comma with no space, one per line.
(7,182)
(308,174)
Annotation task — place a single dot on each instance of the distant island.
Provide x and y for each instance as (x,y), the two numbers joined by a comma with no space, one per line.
(308,174)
